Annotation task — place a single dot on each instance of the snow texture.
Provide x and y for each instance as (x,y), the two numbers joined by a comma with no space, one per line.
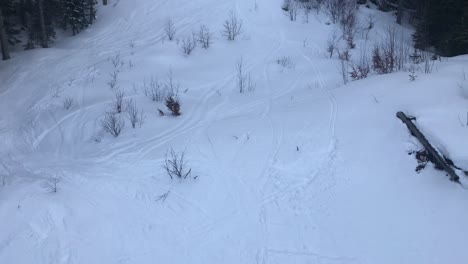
(301,170)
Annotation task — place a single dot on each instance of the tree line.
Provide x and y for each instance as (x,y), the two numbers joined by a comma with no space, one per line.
(33,23)
(441,25)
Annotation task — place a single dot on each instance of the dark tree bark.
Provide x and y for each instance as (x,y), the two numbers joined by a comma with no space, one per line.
(3,39)
(91,11)
(44,38)
(399,11)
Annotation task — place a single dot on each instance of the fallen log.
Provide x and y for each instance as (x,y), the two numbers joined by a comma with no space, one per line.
(440,161)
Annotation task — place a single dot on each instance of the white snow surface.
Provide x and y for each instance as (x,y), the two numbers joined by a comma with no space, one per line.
(302,170)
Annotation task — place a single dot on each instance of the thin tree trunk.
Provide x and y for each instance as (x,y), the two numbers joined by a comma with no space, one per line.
(44,40)
(91,11)
(3,39)
(399,12)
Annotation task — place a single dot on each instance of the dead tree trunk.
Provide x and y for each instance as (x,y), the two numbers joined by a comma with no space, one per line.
(440,161)
(3,39)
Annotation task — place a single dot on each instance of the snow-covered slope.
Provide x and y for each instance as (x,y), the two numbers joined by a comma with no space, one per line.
(302,170)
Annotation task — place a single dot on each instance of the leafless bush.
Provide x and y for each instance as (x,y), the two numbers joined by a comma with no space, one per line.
(392,54)
(293,10)
(344,55)
(68,103)
(188,45)
(57,92)
(154,90)
(169,29)
(171,86)
(176,166)
(285,5)
(244,80)
(173,104)
(332,44)
(348,22)
(370,23)
(204,36)
(426,57)
(286,62)
(334,8)
(113,124)
(134,115)
(344,70)
(359,71)
(52,183)
(117,61)
(117,102)
(113,80)
(232,27)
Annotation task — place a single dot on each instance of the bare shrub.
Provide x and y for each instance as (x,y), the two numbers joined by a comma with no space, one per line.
(173,104)
(188,45)
(169,29)
(68,103)
(160,112)
(392,54)
(171,86)
(285,5)
(286,62)
(57,92)
(134,115)
(244,80)
(344,55)
(359,71)
(154,90)
(232,27)
(334,8)
(113,124)
(52,183)
(117,102)
(332,44)
(204,37)
(113,80)
(344,70)
(117,61)
(176,166)
(293,10)
(428,62)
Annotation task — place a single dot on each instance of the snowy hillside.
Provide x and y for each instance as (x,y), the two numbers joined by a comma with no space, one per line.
(302,169)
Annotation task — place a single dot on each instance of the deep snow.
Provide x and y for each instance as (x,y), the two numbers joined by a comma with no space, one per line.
(302,170)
